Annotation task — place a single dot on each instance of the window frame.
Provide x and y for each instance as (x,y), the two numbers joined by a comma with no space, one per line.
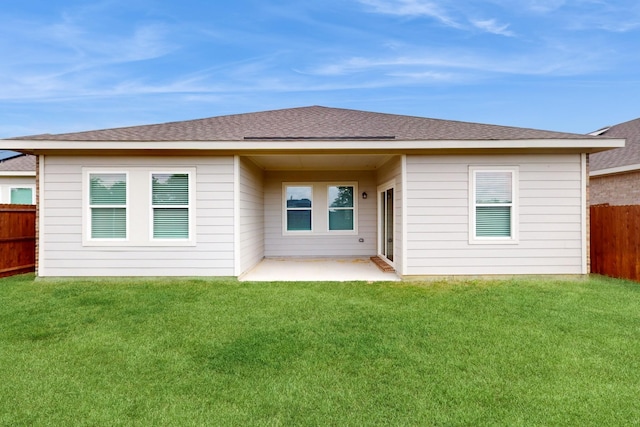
(189,206)
(25,186)
(138,215)
(514,206)
(319,208)
(286,209)
(87,237)
(354,208)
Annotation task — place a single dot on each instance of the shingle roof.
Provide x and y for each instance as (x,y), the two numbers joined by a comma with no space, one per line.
(627,155)
(310,123)
(20,163)
(7,154)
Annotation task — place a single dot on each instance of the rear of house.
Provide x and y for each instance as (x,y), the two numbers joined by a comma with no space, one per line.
(214,197)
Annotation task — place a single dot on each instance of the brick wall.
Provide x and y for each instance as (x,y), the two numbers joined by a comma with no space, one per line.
(616,190)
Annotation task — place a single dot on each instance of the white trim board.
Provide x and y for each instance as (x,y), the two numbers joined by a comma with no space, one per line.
(18,173)
(619,169)
(591,144)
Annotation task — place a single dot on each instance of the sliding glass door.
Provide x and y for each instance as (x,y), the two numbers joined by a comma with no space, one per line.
(386,222)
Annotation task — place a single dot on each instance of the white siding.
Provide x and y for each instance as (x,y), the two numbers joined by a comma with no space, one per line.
(64,254)
(392,170)
(320,245)
(251,215)
(8,182)
(550,219)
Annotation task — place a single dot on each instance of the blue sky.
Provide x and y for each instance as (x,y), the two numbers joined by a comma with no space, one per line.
(549,64)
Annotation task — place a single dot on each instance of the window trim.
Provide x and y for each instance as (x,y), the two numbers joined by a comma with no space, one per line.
(189,205)
(87,239)
(20,186)
(494,240)
(319,208)
(286,209)
(139,230)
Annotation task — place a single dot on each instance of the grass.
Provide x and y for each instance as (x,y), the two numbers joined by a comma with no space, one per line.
(220,352)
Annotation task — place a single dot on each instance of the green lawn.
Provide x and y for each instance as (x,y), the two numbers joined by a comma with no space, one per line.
(220,352)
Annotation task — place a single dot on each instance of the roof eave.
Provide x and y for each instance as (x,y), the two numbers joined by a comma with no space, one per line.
(17,173)
(589,145)
(615,170)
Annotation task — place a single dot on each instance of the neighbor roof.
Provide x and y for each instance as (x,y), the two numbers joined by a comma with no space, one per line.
(619,157)
(321,123)
(19,163)
(7,154)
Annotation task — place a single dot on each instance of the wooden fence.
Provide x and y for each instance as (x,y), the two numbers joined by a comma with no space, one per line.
(615,241)
(17,239)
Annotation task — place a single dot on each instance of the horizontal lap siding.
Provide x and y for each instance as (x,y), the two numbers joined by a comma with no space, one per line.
(64,254)
(251,215)
(550,217)
(320,245)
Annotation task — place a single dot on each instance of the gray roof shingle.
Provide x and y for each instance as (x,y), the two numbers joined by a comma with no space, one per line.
(314,122)
(19,163)
(627,155)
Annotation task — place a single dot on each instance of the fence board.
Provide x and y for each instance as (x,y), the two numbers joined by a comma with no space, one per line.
(17,239)
(615,241)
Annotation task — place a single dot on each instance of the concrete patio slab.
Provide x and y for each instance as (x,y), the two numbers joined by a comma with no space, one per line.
(317,270)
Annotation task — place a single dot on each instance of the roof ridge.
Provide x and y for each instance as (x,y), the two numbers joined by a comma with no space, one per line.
(307,122)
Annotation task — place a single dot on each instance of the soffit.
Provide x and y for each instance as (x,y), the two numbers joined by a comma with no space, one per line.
(320,161)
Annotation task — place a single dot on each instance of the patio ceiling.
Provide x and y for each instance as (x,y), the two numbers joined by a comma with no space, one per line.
(320,161)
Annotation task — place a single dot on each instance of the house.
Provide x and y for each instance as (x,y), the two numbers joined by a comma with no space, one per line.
(615,174)
(213,197)
(17,178)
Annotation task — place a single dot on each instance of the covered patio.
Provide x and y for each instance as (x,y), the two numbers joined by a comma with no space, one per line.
(335,235)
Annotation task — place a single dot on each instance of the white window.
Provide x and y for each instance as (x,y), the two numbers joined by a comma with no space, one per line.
(23,195)
(108,205)
(341,207)
(320,208)
(298,208)
(170,205)
(139,206)
(493,204)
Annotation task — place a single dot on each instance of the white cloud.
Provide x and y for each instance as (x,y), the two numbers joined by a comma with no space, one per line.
(491,26)
(428,76)
(545,6)
(464,64)
(71,56)
(617,16)
(412,8)
(138,43)
(399,65)
(451,17)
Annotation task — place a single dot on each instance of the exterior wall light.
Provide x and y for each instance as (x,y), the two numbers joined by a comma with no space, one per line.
(364,194)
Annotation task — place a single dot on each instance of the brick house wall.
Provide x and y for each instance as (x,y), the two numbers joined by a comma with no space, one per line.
(617,190)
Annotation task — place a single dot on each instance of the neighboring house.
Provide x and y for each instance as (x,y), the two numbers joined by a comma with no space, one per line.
(213,197)
(17,178)
(615,174)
